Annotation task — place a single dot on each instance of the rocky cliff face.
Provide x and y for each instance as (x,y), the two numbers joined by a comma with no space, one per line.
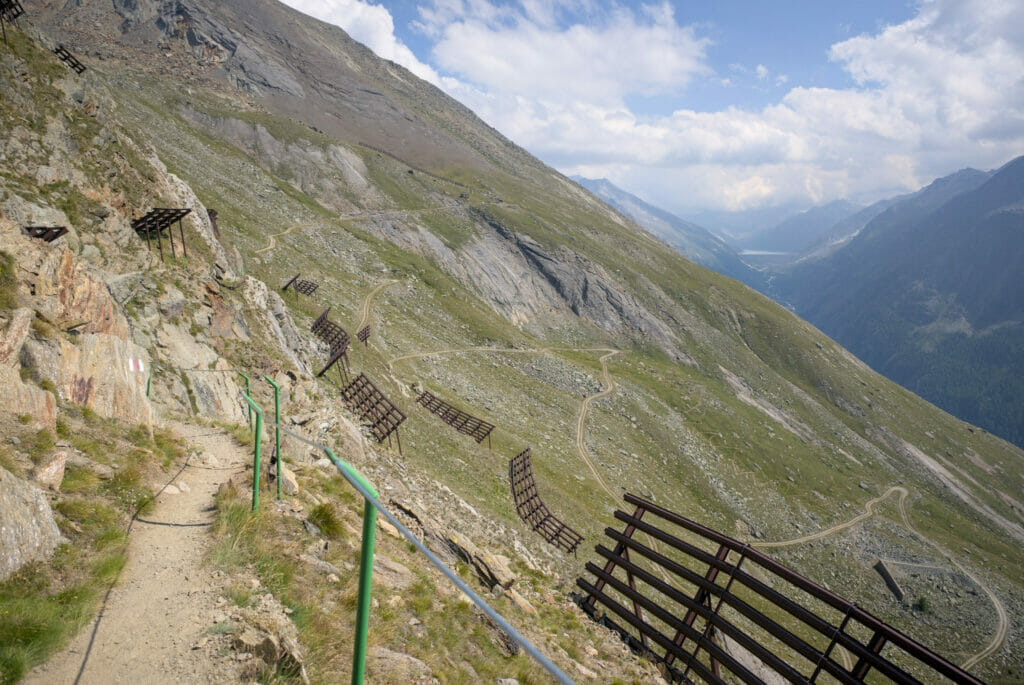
(27,529)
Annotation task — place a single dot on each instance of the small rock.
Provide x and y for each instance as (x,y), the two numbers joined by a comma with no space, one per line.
(51,474)
(333,578)
(169,490)
(520,602)
(289,483)
(390,573)
(386,526)
(395,667)
(183,486)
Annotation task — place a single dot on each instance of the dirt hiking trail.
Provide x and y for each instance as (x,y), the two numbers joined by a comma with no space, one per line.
(163,602)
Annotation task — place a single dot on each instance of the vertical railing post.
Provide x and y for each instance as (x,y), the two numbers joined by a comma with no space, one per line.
(365,573)
(247,393)
(256,453)
(149,378)
(277,430)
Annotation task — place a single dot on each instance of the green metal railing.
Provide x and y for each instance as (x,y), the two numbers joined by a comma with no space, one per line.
(277,431)
(369,526)
(257,440)
(371,507)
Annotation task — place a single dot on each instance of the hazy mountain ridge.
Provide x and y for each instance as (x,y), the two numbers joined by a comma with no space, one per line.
(503,280)
(695,242)
(797,233)
(928,293)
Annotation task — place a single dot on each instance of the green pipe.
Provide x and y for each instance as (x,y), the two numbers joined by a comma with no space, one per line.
(247,383)
(365,572)
(277,430)
(256,454)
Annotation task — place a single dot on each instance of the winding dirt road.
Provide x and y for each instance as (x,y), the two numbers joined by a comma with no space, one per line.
(364,316)
(581,445)
(869,510)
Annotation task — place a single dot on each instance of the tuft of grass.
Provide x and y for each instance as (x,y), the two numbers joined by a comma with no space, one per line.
(41,445)
(324,517)
(8,283)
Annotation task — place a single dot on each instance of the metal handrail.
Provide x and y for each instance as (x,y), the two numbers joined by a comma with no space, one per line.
(371,506)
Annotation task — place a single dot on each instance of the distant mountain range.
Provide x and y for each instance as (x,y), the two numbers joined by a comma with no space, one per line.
(929,292)
(697,243)
(924,287)
(799,231)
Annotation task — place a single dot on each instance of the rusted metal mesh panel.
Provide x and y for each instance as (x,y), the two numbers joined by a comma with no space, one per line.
(11,9)
(47,233)
(302,285)
(155,222)
(531,508)
(713,609)
(158,219)
(335,337)
(306,287)
(456,418)
(373,407)
(364,334)
(69,59)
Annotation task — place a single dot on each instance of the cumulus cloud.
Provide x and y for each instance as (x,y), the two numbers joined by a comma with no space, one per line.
(927,96)
(937,92)
(372,25)
(527,53)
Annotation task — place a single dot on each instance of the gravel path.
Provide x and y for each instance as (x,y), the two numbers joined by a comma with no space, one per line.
(162,605)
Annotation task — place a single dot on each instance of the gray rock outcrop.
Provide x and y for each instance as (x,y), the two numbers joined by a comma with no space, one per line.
(27,529)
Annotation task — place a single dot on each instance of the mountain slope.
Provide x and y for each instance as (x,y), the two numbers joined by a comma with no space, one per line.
(695,242)
(796,233)
(511,286)
(928,293)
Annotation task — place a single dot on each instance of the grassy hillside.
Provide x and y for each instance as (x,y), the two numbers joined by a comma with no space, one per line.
(726,408)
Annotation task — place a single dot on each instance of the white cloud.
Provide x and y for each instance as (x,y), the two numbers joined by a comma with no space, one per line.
(927,96)
(372,25)
(940,91)
(528,54)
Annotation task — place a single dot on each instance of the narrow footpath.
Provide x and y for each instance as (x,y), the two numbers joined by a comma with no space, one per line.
(164,601)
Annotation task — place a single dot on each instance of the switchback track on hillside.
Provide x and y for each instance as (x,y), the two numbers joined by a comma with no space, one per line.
(869,510)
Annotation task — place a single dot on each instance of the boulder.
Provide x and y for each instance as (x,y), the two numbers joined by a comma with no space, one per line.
(289,483)
(216,393)
(14,336)
(390,573)
(96,373)
(51,474)
(27,529)
(490,568)
(397,667)
(23,399)
(520,602)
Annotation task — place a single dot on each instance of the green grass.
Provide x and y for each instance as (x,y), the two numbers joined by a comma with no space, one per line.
(45,603)
(324,517)
(8,283)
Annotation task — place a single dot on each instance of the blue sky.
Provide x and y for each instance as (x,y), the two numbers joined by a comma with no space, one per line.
(724,105)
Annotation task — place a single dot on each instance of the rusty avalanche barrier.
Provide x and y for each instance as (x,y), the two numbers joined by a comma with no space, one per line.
(710,604)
